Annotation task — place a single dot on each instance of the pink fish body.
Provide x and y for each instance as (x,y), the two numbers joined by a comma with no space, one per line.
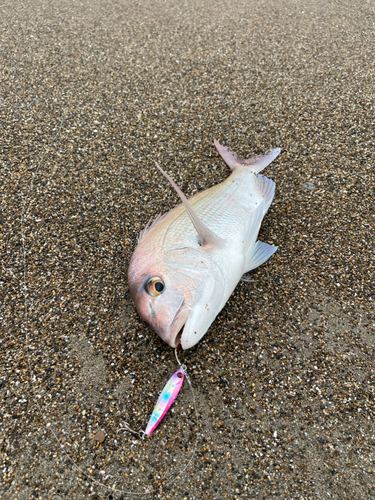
(189,261)
(166,398)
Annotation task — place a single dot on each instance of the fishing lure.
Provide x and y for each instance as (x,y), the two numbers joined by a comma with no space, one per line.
(166,398)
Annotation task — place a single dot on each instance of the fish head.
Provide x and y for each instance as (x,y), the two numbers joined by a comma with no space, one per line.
(178,292)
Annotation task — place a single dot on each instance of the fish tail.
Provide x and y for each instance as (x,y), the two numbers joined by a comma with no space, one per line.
(257,163)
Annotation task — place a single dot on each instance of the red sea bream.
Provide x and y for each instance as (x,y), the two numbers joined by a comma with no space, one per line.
(189,261)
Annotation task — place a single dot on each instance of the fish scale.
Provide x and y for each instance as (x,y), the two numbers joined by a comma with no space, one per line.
(224,208)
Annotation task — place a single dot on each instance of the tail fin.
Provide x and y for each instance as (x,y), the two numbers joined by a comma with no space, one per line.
(257,164)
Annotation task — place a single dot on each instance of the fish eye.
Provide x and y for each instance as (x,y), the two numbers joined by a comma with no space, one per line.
(155,286)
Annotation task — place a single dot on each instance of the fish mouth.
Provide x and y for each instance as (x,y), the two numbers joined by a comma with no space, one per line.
(178,337)
(178,324)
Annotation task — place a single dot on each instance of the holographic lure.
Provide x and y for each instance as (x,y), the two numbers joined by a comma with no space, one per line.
(166,398)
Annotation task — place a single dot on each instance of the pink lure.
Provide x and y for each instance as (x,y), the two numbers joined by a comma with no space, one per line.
(166,398)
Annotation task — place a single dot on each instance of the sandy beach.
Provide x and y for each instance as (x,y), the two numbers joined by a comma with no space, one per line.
(282,397)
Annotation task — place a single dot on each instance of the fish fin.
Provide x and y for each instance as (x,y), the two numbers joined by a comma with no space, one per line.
(262,252)
(256,252)
(148,227)
(230,158)
(247,278)
(252,228)
(267,189)
(257,163)
(205,235)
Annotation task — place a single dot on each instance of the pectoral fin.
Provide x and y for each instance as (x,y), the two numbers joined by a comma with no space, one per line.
(205,235)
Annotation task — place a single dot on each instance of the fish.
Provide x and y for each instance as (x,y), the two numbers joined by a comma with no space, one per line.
(188,261)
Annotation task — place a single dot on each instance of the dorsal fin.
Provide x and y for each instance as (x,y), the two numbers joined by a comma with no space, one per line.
(266,187)
(256,252)
(205,235)
(149,226)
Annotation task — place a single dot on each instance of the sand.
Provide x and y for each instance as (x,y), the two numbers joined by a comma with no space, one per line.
(283,383)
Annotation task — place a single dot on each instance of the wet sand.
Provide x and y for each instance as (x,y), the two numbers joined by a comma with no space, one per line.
(283,383)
